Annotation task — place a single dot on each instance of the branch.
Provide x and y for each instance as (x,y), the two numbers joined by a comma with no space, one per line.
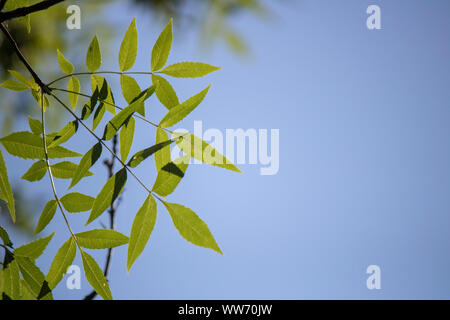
(112,211)
(24,11)
(13,43)
(2,4)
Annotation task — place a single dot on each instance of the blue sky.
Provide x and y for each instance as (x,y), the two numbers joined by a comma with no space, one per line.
(364,160)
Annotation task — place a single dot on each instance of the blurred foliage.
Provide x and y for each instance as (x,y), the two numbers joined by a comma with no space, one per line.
(213,18)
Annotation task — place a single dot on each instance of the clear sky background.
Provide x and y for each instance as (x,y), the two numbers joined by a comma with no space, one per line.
(364,160)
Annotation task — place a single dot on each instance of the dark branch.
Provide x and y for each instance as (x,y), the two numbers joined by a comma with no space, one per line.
(112,212)
(2,4)
(13,43)
(24,11)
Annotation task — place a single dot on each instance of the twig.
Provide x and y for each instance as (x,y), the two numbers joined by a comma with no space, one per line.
(24,11)
(112,212)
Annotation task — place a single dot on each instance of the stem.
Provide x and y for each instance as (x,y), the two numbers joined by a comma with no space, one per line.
(97,72)
(24,11)
(47,161)
(36,78)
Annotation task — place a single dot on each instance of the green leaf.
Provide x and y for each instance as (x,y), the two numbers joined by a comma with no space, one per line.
(191,227)
(98,116)
(170,175)
(179,112)
(131,91)
(34,249)
(86,162)
(128,48)
(26,294)
(14,85)
(20,77)
(34,279)
(189,69)
(101,239)
(105,93)
(93,56)
(109,193)
(11,277)
(161,49)
(73,85)
(46,216)
(67,132)
(5,237)
(66,170)
(164,91)
(202,151)
(37,96)
(126,138)
(162,157)
(142,228)
(77,202)
(27,145)
(35,125)
(118,121)
(36,172)
(140,156)
(64,64)
(90,105)
(95,277)
(5,187)
(63,259)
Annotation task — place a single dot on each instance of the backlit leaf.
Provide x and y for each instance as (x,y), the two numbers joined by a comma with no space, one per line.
(191,227)
(34,249)
(5,237)
(109,193)
(101,239)
(66,170)
(11,276)
(93,56)
(161,49)
(35,125)
(179,112)
(64,64)
(126,138)
(46,216)
(140,156)
(36,172)
(64,134)
(170,176)
(95,277)
(27,145)
(5,187)
(117,122)
(86,162)
(162,157)
(77,202)
(189,69)
(105,94)
(131,91)
(34,278)
(73,85)
(128,48)
(201,150)
(142,227)
(14,85)
(63,259)
(165,92)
